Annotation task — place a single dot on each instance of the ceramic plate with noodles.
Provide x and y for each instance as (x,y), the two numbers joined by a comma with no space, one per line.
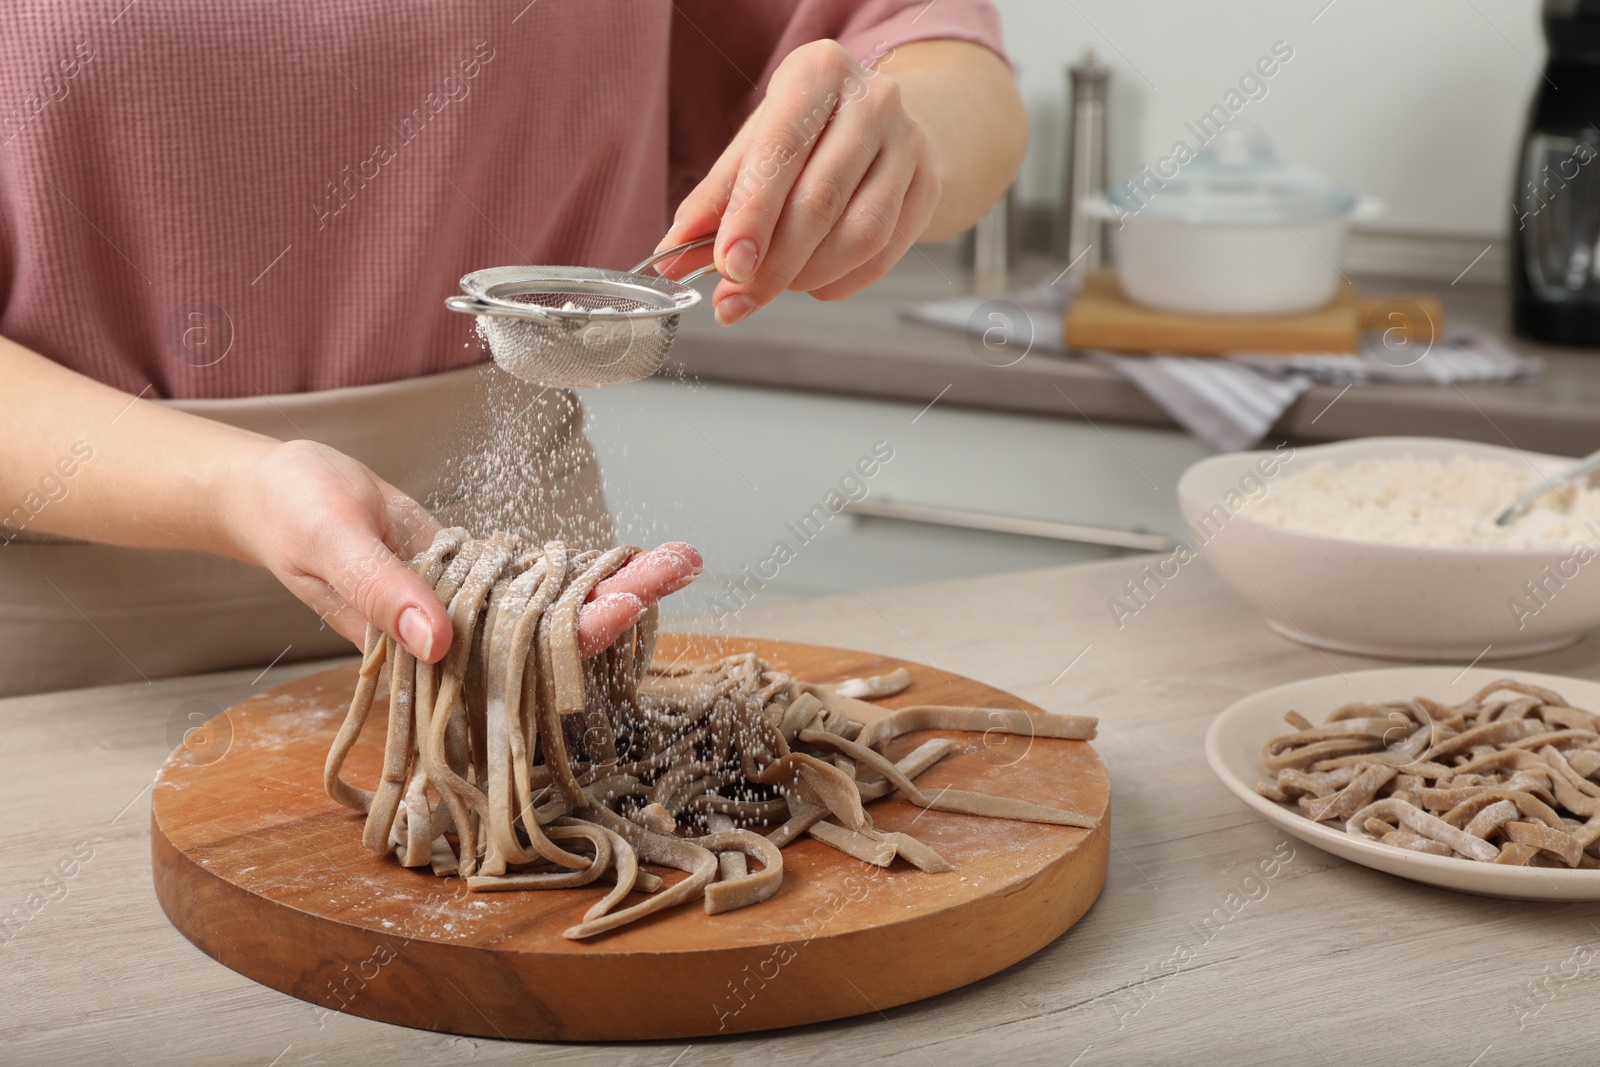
(1236,739)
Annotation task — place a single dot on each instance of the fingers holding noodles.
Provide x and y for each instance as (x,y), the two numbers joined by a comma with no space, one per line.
(520,764)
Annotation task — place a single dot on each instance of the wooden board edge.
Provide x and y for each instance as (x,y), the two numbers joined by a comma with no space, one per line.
(385,977)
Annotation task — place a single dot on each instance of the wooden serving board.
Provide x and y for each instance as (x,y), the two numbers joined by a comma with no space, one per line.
(264,873)
(1103,317)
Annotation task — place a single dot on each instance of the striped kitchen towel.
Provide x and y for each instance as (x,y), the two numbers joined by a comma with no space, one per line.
(1233,401)
(1226,404)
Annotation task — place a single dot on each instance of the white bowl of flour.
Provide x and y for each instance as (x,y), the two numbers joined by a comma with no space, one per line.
(1387,546)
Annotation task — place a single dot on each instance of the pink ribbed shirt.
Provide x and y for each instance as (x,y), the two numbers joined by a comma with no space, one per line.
(222,200)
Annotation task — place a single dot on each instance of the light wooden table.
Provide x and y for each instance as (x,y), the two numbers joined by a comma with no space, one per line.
(1192,955)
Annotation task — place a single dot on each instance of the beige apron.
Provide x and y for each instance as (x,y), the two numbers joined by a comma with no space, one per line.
(475,446)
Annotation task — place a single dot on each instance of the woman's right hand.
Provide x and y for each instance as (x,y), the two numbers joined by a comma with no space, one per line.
(335,534)
(330,529)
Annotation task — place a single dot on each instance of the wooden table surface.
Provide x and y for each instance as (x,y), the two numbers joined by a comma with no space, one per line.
(1217,938)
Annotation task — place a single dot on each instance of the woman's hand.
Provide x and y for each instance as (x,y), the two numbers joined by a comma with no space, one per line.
(823,190)
(616,603)
(336,535)
(840,169)
(328,528)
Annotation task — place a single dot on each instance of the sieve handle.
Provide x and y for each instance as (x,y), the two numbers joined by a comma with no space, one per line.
(678,250)
(468,306)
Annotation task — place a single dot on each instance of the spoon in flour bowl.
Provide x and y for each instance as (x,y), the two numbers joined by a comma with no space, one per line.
(580,327)
(1519,507)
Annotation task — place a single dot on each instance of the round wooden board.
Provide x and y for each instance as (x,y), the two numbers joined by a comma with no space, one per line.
(264,873)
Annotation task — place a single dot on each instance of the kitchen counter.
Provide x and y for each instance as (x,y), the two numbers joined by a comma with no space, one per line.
(862,347)
(1194,953)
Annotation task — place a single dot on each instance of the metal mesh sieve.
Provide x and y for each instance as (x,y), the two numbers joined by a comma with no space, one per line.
(579,327)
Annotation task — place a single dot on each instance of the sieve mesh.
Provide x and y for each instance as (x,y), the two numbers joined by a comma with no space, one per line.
(583,353)
(578,327)
(583,301)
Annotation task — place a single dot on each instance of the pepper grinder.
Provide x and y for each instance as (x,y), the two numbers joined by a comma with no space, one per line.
(995,241)
(994,246)
(1081,239)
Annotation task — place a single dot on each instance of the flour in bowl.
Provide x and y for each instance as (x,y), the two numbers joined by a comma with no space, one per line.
(1439,503)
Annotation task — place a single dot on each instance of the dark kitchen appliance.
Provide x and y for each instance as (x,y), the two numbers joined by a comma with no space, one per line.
(1555,225)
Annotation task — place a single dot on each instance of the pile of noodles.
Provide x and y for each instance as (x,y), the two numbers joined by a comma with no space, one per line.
(518,765)
(1506,776)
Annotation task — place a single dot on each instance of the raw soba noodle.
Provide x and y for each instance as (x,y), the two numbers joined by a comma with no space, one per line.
(555,772)
(1508,781)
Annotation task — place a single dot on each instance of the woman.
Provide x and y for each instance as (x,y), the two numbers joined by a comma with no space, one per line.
(227,235)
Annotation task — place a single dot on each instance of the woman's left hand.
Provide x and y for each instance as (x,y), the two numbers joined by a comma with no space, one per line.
(823,189)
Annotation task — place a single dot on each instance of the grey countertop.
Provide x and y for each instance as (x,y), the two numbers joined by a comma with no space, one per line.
(862,347)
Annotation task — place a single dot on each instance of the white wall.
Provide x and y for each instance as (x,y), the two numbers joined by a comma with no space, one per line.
(1419,102)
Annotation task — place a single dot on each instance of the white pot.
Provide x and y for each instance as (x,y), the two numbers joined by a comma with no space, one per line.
(1219,268)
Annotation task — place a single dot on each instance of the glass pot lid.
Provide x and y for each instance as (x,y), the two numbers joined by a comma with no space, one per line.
(1236,178)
